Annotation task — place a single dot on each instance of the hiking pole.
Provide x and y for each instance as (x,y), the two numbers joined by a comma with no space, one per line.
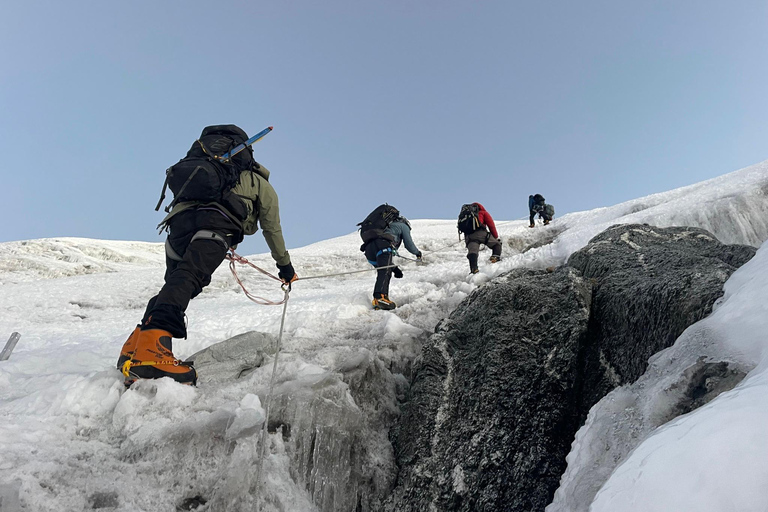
(253,140)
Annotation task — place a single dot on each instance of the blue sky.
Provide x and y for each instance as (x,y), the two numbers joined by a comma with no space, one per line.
(425,105)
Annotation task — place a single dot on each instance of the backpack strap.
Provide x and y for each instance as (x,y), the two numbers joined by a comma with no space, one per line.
(165,187)
(181,191)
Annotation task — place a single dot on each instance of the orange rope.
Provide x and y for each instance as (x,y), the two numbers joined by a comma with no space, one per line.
(236,258)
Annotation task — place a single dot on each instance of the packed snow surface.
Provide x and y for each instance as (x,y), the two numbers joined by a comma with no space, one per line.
(72,438)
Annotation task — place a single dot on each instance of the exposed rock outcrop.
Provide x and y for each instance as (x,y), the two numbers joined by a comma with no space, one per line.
(650,285)
(493,397)
(503,385)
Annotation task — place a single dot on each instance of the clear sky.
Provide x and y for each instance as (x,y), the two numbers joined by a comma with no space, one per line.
(422,104)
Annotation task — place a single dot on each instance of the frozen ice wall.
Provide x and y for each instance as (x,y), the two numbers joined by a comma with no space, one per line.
(733,207)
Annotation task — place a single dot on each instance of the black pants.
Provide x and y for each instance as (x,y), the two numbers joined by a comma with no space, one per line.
(379,251)
(542,214)
(186,278)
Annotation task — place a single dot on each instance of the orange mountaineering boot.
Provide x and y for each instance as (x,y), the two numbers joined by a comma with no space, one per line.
(129,348)
(383,302)
(153,359)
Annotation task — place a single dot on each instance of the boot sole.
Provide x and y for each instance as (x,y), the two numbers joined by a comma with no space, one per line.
(153,373)
(130,381)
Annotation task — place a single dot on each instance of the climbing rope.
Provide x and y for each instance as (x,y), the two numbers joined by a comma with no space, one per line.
(505,222)
(268,403)
(446,246)
(233,259)
(272,303)
(236,258)
(346,273)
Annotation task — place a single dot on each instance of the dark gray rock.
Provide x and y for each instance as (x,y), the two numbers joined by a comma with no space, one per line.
(501,388)
(650,285)
(492,409)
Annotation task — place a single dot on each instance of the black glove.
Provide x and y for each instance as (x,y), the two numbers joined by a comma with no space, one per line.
(418,256)
(397,272)
(287,274)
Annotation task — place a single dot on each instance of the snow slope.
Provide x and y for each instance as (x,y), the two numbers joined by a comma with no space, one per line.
(72,438)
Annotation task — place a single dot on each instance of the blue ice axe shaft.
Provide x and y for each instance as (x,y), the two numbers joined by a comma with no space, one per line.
(256,138)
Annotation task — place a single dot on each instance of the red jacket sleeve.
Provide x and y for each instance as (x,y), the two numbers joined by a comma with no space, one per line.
(486,219)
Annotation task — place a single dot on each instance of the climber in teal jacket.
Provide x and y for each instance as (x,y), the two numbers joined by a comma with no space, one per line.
(400,229)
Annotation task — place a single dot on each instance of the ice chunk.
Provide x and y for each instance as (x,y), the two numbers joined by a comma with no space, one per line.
(248,418)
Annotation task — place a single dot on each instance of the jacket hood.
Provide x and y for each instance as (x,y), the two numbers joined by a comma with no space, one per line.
(261,171)
(403,220)
(481,207)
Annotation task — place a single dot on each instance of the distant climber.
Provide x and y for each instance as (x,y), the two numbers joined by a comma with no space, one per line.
(537,204)
(203,223)
(478,228)
(382,232)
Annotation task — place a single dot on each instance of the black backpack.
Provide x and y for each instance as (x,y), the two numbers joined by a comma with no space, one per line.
(469,222)
(376,222)
(204,176)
